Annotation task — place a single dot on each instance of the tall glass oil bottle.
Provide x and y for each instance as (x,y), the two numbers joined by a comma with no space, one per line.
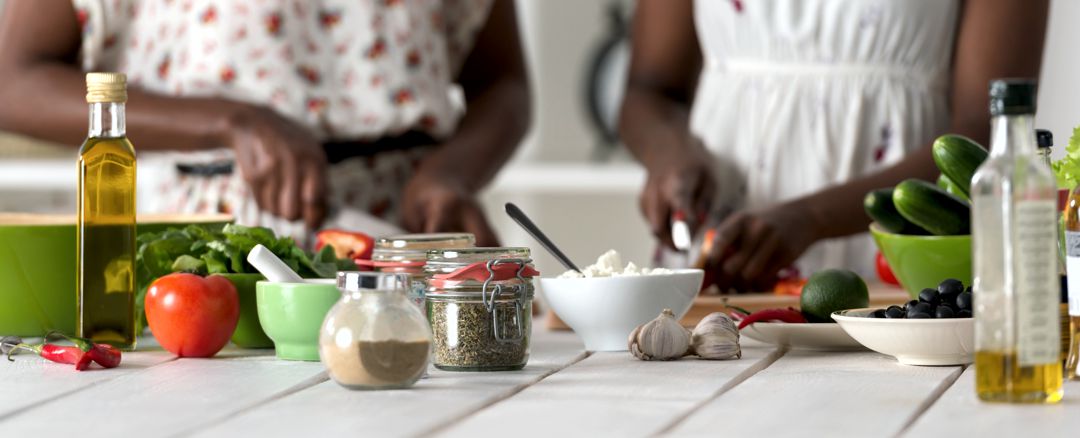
(1014,251)
(1072,268)
(106,218)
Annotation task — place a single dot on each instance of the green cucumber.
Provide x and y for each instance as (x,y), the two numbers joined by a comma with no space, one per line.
(945,183)
(932,208)
(958,157)
(879,206)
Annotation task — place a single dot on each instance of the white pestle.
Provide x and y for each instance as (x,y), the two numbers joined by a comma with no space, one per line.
(271,267)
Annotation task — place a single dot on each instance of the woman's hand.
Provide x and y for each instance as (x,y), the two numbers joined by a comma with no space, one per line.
(432,204)
(683,180)
(751,247)
(282,163)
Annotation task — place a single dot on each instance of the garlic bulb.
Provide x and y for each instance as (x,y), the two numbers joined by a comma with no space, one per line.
(660,339)
(716,337)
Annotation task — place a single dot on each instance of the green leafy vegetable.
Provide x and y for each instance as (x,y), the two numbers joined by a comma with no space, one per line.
(1067,169)
(207,251)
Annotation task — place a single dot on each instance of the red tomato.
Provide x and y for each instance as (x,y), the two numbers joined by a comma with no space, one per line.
(884,272)
(192,316)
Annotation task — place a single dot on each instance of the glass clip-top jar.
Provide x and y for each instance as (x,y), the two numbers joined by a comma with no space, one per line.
(374,337)
(407,254)
(479,303)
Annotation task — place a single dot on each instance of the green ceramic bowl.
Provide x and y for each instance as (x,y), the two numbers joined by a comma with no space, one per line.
(292,314)
(37,268)
(248,334)
(921,262)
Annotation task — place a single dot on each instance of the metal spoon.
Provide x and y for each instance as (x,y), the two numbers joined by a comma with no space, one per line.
(519,216)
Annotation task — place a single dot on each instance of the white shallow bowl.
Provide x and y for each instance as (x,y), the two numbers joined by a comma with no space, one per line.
(823,337)
(913,341)
(603,311)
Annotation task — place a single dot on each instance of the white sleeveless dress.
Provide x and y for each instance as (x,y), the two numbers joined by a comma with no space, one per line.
(800,95)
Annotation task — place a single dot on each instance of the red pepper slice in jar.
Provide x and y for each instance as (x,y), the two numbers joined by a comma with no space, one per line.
(788,315)
(347,244)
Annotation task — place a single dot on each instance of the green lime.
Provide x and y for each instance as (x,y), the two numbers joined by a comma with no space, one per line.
(831,290)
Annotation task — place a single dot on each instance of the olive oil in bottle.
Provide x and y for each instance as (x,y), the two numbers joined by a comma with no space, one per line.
(105,283)
(1014,254)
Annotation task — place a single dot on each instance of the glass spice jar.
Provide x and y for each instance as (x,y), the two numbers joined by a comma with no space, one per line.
(407,254)
(374,338)
(479,304)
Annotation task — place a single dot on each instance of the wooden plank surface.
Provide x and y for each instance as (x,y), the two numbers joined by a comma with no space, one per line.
(440,399)
(613,394)
(30,381)
(811,394)
(960,413)
(169,398)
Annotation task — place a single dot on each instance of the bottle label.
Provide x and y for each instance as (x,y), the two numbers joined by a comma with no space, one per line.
(1038,334)
(1072,270)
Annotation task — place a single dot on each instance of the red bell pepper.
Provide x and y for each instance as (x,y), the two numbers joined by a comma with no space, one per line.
(347,244)
(884,272)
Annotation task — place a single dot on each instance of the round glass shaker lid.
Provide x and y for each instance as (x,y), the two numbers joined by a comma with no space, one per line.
(372,281)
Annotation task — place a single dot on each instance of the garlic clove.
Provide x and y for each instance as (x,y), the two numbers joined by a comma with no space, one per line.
(716,337)
(660,339)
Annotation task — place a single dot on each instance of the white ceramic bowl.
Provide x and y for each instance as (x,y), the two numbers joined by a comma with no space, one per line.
(912,341)
(603,311)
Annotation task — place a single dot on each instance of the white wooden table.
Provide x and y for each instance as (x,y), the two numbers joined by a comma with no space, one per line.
(563,392)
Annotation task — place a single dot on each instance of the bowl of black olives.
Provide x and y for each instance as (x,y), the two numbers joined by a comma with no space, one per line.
(935,329)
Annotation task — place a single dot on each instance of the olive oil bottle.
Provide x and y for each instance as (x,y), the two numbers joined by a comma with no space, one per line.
(1014,253)
(105,283)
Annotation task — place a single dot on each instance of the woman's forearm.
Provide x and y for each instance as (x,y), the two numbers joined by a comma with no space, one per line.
(653,126)
(838,211)
(47,100)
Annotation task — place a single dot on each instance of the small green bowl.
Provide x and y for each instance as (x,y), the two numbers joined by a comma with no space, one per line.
(248,334)
(292,314)
(921,262)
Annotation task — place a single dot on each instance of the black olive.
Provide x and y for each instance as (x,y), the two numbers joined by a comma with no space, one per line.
(920,315)
(924,308)
(963,314)
(879,313)
(951,286)
(894,312)
(910,304)
(929,296)
(963,301)
(944,312)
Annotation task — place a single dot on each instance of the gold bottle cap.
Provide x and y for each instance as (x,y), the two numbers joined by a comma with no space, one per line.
(106,87)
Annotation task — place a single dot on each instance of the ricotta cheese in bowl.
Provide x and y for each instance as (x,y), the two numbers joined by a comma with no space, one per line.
(608,299)
(610,264)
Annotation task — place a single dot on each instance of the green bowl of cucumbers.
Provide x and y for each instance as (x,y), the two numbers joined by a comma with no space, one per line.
(921,262)
(922,228)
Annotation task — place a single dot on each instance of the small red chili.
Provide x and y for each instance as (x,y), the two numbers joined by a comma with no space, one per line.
(57,353)
(788,315)
(105,355)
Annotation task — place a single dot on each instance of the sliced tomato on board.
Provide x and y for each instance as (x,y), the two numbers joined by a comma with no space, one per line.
(347,244)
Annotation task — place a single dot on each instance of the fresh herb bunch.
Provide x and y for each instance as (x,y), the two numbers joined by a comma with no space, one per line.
(1067,169)
(206,251)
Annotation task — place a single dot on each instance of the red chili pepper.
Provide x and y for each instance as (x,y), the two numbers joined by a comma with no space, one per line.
(105,355)
(57,353)
(788,315)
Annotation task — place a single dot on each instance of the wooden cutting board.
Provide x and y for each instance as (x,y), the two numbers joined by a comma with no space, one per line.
(881,295)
